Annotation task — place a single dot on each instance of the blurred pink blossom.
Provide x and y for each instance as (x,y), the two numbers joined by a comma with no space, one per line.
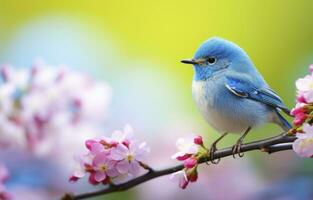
(50,111)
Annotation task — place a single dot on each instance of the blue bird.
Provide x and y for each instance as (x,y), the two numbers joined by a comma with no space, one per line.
(230,93)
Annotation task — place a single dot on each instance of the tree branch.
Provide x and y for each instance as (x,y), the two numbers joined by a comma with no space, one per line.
(270,145)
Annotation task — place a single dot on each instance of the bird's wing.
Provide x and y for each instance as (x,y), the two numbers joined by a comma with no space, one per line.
(246,89)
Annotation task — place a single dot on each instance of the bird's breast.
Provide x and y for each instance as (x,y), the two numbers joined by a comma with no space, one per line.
(224,111)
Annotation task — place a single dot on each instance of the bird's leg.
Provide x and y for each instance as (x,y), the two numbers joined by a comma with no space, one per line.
(213,149)
(237,146)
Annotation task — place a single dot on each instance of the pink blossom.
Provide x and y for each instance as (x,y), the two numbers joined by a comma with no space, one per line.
(129,157)
(103,167)
(181,178)
(190,150)
(303,145)
(111,160)
(305,84)
(305,88)
(186,147)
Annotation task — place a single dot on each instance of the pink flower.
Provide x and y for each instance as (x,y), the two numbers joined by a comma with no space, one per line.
(303,145)
(129,157)
(181,178)
(111,160)
(305,88)
(186,148)
(103,167)
(305,84)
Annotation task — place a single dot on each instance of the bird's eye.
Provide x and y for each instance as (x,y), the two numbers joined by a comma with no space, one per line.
(211,60)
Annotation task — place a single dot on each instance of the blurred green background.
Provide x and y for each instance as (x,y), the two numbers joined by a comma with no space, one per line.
(136,47)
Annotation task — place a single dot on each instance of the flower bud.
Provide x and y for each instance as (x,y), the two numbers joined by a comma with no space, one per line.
(190,162)
(301,99)
(183,184)
(300,119)
(198,140)
(296,111)
(192,175)
(184,157)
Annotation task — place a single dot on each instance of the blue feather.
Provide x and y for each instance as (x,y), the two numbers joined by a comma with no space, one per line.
(247,89)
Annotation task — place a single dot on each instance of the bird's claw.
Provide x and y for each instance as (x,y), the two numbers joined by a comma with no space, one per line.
(237,150)
(213,149)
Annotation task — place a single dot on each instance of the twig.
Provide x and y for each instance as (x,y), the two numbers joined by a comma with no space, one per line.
(270,145)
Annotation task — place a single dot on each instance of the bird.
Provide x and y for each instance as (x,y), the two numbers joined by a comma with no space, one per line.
(231,94)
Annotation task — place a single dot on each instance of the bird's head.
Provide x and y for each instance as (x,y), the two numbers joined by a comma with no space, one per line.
(215,55)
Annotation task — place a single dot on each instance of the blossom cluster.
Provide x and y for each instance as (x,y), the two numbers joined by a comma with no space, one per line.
(4,175)
(190,150)
(114,159)
(44,109)
(303,116)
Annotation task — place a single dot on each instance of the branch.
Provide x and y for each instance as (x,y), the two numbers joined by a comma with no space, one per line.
(270,145)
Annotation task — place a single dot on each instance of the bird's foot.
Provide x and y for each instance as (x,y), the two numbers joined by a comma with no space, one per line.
(237,149)
(212,150)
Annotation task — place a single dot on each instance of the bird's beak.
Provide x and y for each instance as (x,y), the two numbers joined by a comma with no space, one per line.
(189,61)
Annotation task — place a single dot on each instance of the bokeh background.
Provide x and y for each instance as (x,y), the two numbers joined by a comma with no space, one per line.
(135,46)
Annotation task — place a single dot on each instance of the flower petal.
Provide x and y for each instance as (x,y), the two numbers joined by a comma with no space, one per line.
(122,166)
(119,152)
(134,168)
(100,176)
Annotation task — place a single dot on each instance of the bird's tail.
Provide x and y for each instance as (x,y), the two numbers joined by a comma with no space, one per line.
(287,111)
(283,122)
